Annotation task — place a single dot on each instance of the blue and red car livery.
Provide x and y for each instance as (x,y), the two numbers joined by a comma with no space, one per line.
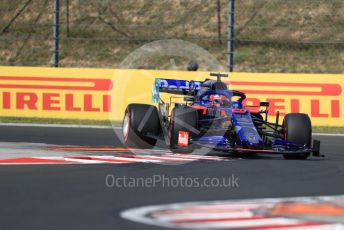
(213,116)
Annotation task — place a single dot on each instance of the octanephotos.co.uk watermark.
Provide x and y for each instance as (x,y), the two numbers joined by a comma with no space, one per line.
(161,180)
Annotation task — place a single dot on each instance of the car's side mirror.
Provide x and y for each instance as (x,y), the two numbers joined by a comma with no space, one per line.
(265,104)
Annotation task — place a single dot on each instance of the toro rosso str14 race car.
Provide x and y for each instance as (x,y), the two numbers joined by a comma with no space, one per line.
(210,115)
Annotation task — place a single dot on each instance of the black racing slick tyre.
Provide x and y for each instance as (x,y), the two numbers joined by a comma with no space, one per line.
(183,119)
(298,129)
(140,124)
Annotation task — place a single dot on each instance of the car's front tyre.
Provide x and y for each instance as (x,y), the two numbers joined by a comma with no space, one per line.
(298,129)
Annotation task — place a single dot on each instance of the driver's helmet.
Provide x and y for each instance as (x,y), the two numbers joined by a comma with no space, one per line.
(218,99)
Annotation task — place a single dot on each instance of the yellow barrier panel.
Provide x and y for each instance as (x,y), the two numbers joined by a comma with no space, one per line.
(103,94)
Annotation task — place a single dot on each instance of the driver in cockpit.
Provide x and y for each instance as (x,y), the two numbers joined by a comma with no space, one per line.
(216,99)
(220,100)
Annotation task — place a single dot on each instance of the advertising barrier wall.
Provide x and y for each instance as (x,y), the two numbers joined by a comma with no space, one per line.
(102,94)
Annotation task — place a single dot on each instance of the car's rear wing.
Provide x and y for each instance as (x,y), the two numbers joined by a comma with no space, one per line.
(180,87)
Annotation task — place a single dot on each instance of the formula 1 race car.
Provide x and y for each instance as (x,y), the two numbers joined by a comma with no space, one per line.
(214,117)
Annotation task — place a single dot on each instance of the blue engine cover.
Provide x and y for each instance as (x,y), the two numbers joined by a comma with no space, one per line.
(246,131)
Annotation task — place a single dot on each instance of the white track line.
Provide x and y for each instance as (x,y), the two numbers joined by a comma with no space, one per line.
(162,158)
(81,161)
(90,159)
(137,160)
(329,134)
(202,216)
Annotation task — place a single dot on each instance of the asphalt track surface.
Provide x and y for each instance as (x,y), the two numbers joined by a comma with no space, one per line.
(76,196)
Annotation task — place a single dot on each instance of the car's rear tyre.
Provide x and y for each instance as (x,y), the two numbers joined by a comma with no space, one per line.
(298,129)
(183,119)
(139,121)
